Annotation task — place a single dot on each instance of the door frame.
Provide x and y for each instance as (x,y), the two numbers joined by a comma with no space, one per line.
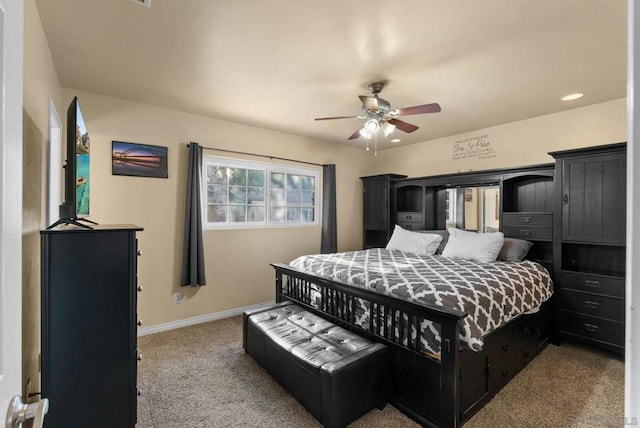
(11,57)
(632,339)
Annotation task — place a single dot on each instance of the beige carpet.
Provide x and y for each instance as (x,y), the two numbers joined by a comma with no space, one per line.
(199,376)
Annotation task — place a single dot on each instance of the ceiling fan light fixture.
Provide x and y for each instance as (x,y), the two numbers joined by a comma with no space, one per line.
(365,132)
(379,115)
(387,128)
(372,126)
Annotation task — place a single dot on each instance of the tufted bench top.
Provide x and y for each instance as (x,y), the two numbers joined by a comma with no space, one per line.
(307,336)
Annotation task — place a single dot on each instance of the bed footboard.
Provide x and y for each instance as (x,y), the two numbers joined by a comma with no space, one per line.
(426,387)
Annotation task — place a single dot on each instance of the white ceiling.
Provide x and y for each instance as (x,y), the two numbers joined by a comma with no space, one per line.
(278,64)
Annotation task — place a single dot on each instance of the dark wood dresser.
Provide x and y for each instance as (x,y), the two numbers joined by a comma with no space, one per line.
(590,222)
(89,326)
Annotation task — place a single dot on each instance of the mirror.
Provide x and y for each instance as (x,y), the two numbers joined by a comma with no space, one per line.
(473,208)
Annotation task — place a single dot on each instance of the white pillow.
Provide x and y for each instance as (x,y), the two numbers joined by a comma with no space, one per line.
(481,247)
(424,244)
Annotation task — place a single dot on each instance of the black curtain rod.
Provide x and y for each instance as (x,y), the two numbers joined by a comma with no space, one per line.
(261,156)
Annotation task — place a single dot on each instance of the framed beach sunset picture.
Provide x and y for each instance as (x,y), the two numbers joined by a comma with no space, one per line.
(142,160)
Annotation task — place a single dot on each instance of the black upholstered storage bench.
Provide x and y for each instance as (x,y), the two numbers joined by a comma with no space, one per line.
(335,374)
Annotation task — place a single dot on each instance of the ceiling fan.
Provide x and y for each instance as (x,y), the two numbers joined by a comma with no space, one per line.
(380,115)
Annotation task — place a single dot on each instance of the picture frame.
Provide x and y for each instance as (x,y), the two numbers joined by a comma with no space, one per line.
(139,160)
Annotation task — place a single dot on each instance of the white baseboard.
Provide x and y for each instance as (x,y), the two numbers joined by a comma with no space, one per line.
(199,319)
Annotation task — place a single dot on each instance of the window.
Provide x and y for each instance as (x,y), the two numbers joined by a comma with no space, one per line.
(253,194)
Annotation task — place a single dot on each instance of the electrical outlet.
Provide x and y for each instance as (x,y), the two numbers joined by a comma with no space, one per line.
(177,297)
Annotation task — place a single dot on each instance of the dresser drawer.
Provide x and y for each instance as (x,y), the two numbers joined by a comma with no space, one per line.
(410,225)
(592,304)
(502,373)
(509,337)
(409,217)
(599,284)
(585,326)
(527,219)
(528,233)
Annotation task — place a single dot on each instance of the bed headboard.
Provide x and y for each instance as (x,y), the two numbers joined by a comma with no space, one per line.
(520,199)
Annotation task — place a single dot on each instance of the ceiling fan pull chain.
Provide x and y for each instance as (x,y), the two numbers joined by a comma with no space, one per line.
(375,144)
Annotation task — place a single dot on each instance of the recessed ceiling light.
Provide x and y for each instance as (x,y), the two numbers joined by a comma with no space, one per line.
(572,97)
(395,140)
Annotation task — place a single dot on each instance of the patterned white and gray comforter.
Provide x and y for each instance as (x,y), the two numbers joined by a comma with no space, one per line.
(491,294)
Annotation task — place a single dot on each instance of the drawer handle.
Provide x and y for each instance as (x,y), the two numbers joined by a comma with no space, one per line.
(505,346)
(591,283)
(408,217)
(505,372)
(591,327)
(525,219)
(527,354)
(527,330)
(525,232)
(591,305)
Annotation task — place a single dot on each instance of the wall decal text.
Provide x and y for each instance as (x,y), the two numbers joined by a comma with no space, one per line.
(473,147)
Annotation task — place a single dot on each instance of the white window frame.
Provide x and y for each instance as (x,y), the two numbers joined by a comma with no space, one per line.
(268,168)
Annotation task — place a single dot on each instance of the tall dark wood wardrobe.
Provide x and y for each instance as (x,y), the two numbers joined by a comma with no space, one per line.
(590,225)
(379,209)
(89,324)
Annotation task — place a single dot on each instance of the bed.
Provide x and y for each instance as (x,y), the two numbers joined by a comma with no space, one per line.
(458,330)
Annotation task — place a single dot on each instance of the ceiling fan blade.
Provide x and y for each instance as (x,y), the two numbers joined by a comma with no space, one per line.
(425,108)
(369,103)
(336,117)
(402,125)
(355,134)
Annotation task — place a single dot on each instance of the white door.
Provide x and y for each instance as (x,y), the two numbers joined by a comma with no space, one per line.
(11,22)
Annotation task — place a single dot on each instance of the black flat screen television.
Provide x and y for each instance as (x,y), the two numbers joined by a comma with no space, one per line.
(77,183)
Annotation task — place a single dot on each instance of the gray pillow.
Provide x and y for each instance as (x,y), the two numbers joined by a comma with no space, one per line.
(443,233)
(514,250)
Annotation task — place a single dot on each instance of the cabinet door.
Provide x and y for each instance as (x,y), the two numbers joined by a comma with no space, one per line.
(594,199)
(376,203)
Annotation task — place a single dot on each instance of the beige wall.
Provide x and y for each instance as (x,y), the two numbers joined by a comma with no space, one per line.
(40,77)
(40,84)
(237,261)
(526,142)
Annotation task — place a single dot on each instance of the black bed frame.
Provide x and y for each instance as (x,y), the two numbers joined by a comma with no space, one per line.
(435,392)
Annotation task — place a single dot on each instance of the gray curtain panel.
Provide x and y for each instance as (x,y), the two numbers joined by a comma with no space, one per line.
(193,252)
(329,240)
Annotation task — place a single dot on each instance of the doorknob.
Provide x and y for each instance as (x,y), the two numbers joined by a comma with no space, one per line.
(19,412)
